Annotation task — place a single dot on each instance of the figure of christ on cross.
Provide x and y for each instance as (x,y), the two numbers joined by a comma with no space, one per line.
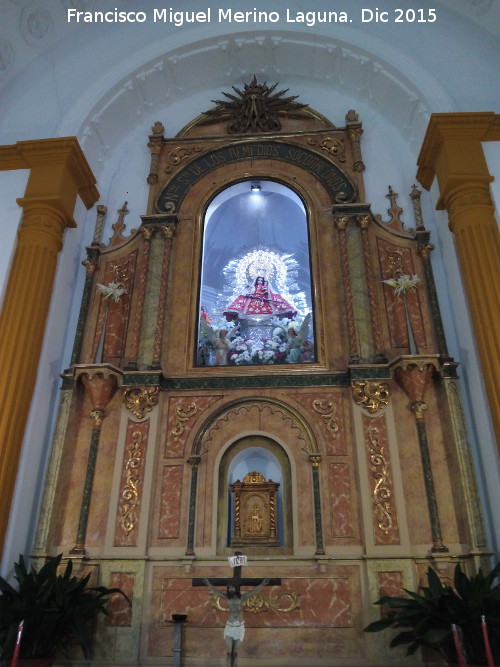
(235,625)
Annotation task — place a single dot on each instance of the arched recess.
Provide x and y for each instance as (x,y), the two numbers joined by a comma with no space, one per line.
(255,231)
(235,453)
(325,276)
(284,432)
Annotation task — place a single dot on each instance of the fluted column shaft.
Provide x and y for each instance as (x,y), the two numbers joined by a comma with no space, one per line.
(58,173)
(453,153)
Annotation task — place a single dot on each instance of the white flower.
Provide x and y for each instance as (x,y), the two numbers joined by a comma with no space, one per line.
(111,291)
(403,283)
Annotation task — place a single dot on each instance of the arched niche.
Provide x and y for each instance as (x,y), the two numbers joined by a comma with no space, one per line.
(265,455)
(255,279)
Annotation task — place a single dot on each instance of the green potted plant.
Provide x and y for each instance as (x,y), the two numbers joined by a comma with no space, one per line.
(57,610)
(427,619)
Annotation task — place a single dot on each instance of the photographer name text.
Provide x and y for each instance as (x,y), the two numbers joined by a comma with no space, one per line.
(179,18)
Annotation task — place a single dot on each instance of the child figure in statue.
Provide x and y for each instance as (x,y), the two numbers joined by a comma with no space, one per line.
(234,631)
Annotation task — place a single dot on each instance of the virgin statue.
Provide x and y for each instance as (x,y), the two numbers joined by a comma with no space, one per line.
(259,300)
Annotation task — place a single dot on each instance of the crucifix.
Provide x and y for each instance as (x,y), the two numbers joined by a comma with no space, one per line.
(235,626)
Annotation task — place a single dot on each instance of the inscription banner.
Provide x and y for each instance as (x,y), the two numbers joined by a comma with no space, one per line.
(333,178)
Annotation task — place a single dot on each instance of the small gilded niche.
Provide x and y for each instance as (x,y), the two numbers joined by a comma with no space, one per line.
(255,511)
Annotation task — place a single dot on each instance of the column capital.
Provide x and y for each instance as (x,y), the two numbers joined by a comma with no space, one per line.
(450,132)
(58,172)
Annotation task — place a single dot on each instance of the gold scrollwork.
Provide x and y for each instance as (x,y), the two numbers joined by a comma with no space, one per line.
(381,492)
(370,395)
(258,603)
(140,400)
(328,414)
(182,415)
(130,495)
(179,154)
(395,258)
(330,145)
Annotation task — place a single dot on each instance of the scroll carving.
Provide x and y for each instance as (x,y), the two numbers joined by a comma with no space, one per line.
(285,603)
(381,491)
(330,145)
(328,412)
(180,153)
(141,400)
(182,416)
(130,495)
(370,395)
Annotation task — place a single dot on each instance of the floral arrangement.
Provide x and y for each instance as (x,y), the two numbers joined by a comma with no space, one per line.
(249,352)
(403,284)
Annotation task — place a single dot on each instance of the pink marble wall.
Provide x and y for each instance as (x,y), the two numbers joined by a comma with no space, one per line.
(384,514)
(340,500)
(119,610)
(390,583)
(328,618)
(323,603)
(326,413)
(118,313)
(131,484)
(394,304)
(171,497)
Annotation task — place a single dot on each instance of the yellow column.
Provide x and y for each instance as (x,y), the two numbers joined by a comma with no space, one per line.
(453,153)
(58,173)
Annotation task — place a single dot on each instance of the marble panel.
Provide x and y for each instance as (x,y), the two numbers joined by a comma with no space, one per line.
(170,501)
(399,258)
(321,602)
(117,270)
(119,610)
(340,500)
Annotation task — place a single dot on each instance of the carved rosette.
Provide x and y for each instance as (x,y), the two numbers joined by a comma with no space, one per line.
(371,395)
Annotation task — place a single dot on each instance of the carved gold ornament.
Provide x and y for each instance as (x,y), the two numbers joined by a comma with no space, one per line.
(395,257)
(370,395)
(286,602)
(328,412)
(331,146)
(315,460)
(130,495)
(182,415)
(97,414)
(381,492)
(141,400)
(180,153)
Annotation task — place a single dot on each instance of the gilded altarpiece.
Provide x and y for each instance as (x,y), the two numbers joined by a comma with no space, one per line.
(332,379)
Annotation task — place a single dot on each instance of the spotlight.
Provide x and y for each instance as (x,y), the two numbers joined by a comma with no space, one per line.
(255,187)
